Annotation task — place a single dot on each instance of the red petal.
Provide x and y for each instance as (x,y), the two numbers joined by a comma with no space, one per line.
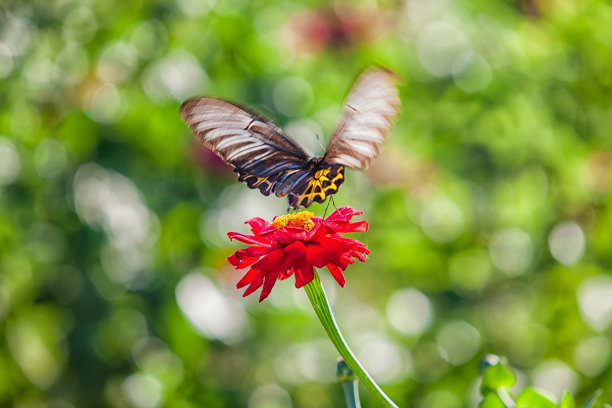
(337,244)
(337,274)
(304,273)
(247,256)
(319,255)
(258,225)
(247,278)
(248,239)
(253,251)
(296,249)
(359,256)
(255,284)
(268,264)
(233,259)
(358,226)
(287,266)
(282,237)
(339,221)
(269,281)
(241,263)
(269,261)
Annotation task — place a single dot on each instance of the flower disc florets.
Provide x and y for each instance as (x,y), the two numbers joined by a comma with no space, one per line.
(299,219)
(295,244)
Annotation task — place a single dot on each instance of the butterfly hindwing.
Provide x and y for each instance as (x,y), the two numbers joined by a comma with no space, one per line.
(269,175)
(322,181)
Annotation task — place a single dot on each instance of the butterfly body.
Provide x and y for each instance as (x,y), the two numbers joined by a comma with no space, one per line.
(268,160)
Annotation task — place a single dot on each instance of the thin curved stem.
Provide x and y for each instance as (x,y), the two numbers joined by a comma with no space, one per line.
(320,304)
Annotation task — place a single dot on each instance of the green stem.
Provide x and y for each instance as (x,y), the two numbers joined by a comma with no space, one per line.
(320,304)
(351,394)
(348,380)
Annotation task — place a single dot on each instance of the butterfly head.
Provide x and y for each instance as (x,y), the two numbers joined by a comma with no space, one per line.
(315,162)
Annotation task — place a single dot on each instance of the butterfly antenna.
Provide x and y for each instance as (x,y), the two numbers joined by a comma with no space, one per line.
(319,142)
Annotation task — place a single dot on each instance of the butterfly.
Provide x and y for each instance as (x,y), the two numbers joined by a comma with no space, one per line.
(267,159)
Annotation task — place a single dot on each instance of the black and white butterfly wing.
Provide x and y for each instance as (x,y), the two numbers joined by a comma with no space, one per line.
(365,121)
(260,152)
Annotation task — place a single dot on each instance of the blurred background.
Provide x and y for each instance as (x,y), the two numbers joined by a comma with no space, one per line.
(490,207)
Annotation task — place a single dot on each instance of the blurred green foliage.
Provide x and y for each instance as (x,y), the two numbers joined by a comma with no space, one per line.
(498,377)
(490,208)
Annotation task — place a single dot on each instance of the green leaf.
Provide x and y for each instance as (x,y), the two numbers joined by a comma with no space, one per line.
(590,403)
(497,374)
(492,400)
(530,398)
(568,401)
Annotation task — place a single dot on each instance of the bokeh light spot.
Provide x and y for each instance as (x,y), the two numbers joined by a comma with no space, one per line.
(105,104)
(116,62)
(441,399)
(194,8)
(174,77)
(148,38)
(107,199)
(472,72)
(442,220)
(595,301)
(71,65)
(80,25)
(143,390)
(35,339)
(439,44)
(592,355)
(10,163)
(209,310)
(270,396)
(153,356)
(511,251)
(307,361)
(383,358)
(409,311)
(554,377)
(567,243)
(15,33)
(458,342)
(6,61)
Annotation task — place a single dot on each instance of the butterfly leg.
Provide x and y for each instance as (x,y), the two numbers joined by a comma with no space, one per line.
(331,198)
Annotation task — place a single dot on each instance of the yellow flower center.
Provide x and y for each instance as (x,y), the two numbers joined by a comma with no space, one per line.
(300,219)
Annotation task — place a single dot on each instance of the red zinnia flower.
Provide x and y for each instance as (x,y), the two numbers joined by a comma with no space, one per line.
(295,243)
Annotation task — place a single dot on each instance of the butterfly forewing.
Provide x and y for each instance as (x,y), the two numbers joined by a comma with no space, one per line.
(237,134)
(365,121)
(258,149)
